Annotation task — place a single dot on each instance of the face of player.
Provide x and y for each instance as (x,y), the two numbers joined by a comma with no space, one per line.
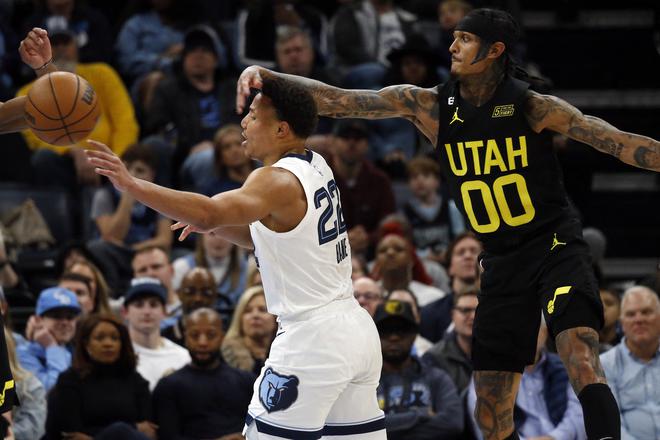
(463,315)
(197,290)
(640,319)
(231,152)
(216,247)
(141,170)
(145,314)
(423,185)
(463,51)
(203,340)
(396,341)
(154,264)
(296,56)
(463,263)
(256,322)
(104,345)
(260,128)
(393,252)
(367,292)
(611,306)
(84,295)
(61,323)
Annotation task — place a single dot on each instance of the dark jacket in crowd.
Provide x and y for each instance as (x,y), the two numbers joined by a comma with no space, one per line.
(448,356)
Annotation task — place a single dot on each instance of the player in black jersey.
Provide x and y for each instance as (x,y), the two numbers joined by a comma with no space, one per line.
(492,137)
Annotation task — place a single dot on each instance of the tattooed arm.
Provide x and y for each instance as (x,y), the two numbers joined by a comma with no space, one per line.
(418,105)
(545,111)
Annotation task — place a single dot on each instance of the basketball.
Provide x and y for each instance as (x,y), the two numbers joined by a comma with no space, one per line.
(61,108)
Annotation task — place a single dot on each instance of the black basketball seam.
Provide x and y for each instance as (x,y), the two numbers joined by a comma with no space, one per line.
(75,99)
(72,132)
(69,124)
(57,104)
(42,113)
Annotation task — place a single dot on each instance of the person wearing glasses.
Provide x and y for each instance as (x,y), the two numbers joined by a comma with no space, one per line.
(368,293)
(453,352)
(197,290)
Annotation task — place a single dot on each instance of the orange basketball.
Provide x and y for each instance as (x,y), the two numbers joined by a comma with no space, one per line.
(61,108)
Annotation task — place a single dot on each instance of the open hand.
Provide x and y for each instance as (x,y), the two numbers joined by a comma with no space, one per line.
(187,230)
(108,164)
(249,79)
(35,48)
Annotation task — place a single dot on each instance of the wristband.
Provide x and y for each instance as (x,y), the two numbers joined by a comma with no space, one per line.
(49,62)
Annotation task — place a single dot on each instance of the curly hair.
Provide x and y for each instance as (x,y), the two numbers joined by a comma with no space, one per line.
(293,104)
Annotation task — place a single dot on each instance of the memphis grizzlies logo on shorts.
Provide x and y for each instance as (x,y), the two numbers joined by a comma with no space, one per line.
(277,392)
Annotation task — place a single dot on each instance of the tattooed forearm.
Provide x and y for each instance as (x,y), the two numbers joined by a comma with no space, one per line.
(578,349)
(544,111)
(416,104)
(496,394)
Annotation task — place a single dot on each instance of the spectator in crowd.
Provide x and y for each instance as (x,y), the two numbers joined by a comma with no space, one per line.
(364,33)
(368,293)
(226,261)
(356,178)
(197,290)
(419,401)
(81,285)
(632,367)
(394,267)
(99,287)
(222,168)
(151,39)
(453,353)
(125,225)
(610,334)
(102,395)
(117,126)
(29,418)
(195,100)
(358,267)
(434,217)
(421,344)
(264,20)
(6,319)
(546,405)
(464,272)
(90,28)
(206,398)
(449,13)
(48,353)
(250,333)
(415,62)
(154,262)
(143,310)
(8,277)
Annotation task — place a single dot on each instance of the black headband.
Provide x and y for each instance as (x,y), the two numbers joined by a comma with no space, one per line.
(487,30)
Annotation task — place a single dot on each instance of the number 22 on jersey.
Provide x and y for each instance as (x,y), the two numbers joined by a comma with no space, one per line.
(331,222)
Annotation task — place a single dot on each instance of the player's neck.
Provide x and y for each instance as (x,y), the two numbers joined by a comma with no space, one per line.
(477,89)
(293,146)
(644,352)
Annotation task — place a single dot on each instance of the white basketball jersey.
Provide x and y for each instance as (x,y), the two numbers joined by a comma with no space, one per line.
(309,266)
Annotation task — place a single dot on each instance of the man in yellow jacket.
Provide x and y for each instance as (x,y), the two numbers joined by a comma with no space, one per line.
(117,126)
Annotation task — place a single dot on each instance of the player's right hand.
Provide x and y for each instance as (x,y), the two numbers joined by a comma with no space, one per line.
(249,79)
(110,165)
(187,229)
(35,49)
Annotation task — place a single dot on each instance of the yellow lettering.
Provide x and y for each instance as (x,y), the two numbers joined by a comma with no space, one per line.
(493,157)
(489,203)
(474,146)
(522,152)
(523,193)
(461,154)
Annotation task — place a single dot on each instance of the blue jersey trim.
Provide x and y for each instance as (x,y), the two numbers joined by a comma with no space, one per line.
(328,430)
(307,156)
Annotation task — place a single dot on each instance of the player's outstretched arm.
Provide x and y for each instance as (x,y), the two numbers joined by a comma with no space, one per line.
(36,52)
(546,111)
(416,104)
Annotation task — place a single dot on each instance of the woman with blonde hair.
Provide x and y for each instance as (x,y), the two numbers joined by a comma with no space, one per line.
(28,419)
(251,332)
(99,287)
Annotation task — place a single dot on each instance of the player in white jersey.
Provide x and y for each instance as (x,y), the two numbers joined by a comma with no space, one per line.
(322,373)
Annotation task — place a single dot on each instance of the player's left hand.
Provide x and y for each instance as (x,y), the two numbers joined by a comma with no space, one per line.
(187,230)
(108,164)
(35,49)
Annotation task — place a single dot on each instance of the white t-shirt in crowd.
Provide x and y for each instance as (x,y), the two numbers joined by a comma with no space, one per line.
(154,364)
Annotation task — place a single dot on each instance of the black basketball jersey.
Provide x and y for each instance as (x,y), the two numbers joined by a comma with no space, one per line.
(504,177)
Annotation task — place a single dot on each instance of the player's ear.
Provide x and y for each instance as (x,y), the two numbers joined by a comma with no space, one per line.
(283,129)
(496,49)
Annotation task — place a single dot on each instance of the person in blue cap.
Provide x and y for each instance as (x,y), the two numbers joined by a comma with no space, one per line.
(49,352)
